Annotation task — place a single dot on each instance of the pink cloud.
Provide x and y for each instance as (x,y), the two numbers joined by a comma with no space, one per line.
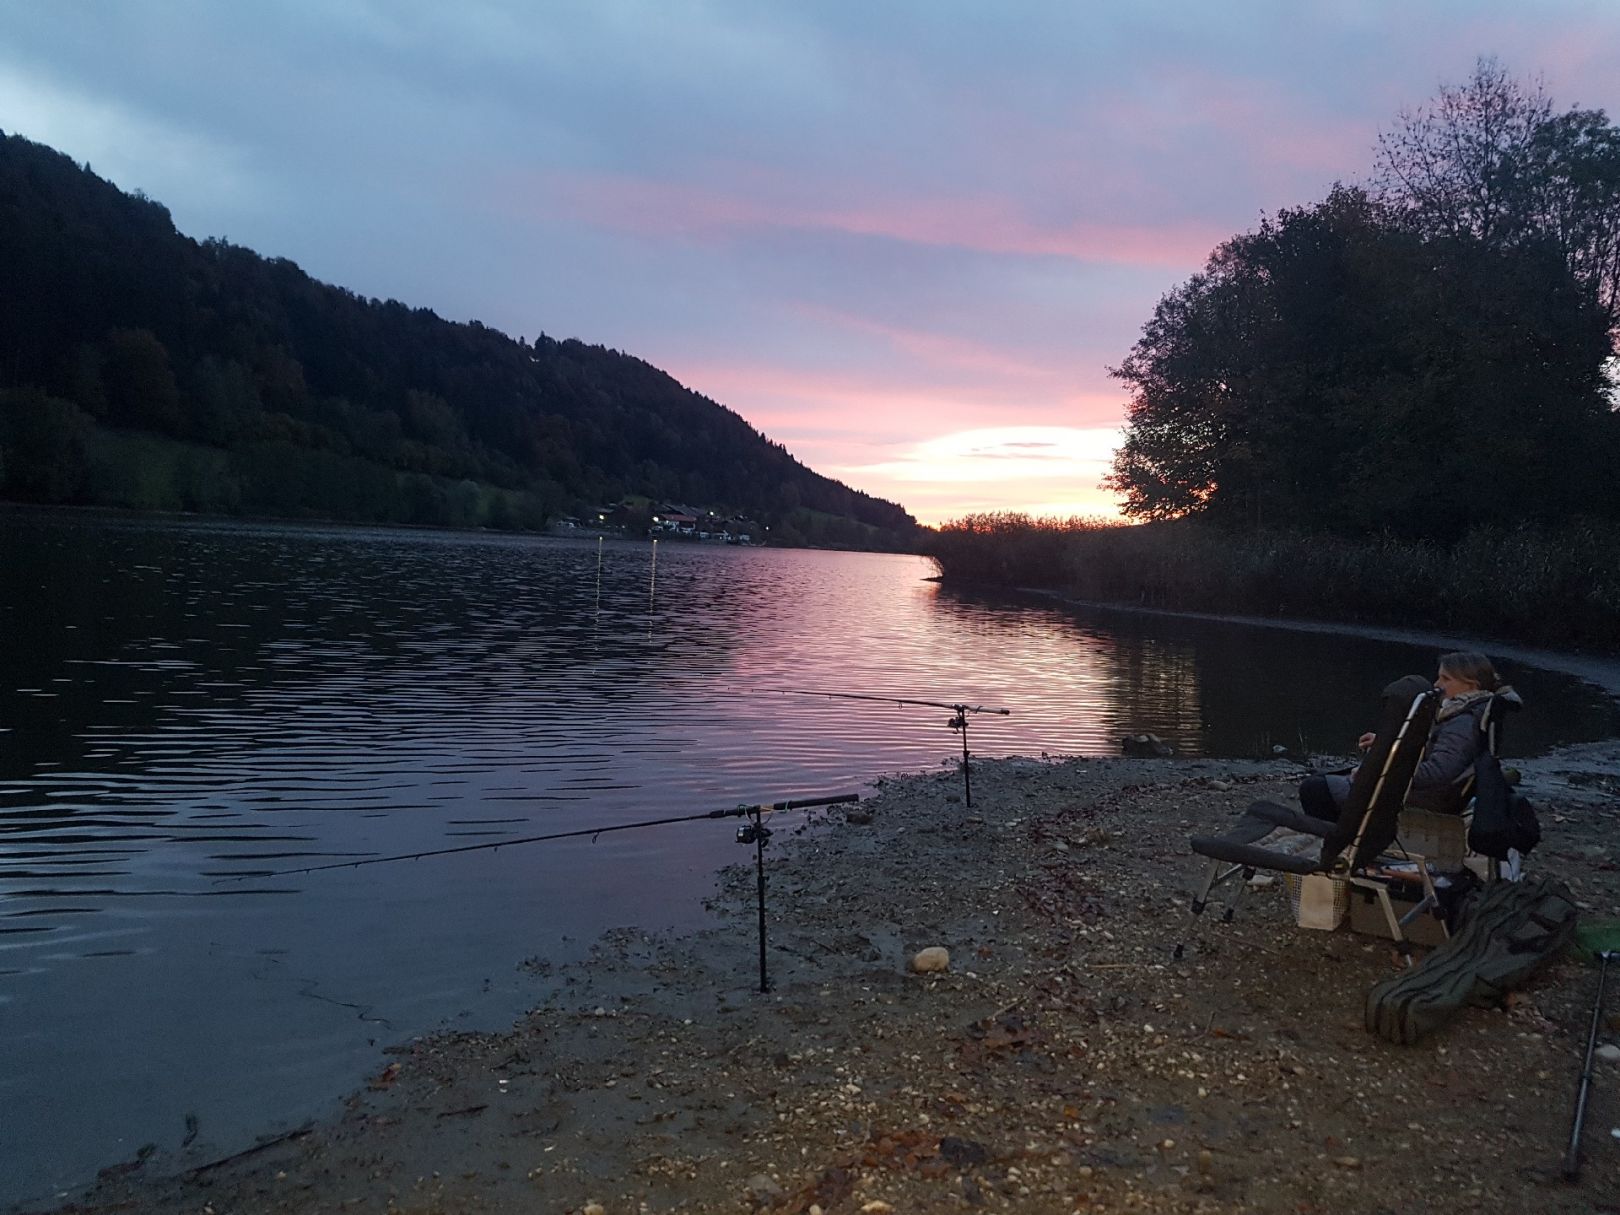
(940,349)
(983,224)
(773,397)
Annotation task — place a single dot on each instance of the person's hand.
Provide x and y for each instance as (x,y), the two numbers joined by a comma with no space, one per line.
(1366,740)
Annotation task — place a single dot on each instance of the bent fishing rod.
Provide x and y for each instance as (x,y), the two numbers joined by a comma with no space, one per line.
(754,832)
(958,722)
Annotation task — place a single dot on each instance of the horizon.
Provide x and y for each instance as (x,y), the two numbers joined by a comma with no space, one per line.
(907,249)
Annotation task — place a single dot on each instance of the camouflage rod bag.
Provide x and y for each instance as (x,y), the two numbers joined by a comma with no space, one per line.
(1510,932)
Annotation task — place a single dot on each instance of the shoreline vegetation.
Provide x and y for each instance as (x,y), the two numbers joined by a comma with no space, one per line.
(1062,1062)
(1552,587)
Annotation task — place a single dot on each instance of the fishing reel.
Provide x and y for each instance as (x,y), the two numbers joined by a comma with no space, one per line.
(753,833)
(959,722)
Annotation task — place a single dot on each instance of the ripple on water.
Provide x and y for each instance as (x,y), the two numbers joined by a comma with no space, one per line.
(227,701)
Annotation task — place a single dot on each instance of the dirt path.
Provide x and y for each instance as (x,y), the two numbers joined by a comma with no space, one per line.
(1064,1062)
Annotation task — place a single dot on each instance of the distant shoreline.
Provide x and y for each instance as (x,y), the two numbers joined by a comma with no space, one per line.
(182,516)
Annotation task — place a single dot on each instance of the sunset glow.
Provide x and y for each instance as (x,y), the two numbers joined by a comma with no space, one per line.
(907,244)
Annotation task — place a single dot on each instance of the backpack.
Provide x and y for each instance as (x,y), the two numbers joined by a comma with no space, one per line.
(1504,818)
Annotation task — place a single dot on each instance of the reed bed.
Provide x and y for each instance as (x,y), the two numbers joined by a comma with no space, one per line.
(1558,588)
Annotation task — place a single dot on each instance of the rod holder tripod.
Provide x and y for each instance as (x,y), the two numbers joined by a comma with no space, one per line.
(753,832)
(958,722)
(1572,1157)
(757,833)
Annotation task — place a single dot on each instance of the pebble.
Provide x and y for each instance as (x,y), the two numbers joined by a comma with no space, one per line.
(934,958)
(877,1207)
(763,1190)
(592,1208)
(1609,1053)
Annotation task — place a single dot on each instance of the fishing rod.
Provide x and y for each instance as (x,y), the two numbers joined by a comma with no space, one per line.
(734,812)
(755,833)
(958,722)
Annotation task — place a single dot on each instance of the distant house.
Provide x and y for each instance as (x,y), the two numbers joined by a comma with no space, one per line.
(673,517)
(742,530)
(678,519)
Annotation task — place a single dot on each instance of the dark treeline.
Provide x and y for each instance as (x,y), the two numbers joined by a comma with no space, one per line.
(141,368)
(1395,404)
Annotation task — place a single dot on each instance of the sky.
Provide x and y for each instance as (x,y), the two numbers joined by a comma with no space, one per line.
(905,239)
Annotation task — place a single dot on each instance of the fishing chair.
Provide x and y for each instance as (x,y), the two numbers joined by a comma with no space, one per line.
(1363,831)
(1444,837)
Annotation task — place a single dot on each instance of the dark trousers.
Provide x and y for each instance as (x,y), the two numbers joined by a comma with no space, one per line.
(1316,799)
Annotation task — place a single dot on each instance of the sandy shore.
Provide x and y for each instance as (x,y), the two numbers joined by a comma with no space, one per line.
(1064,1061)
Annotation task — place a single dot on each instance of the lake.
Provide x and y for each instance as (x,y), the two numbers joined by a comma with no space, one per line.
(186,704)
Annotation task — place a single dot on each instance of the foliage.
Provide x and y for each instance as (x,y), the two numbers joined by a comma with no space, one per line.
(43,444)
(316,402)
(1336,372)
(1388,408)
(1007,548)
(1556,587)
(1491,160)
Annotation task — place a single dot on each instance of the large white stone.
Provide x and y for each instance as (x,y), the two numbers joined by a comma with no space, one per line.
(934,958)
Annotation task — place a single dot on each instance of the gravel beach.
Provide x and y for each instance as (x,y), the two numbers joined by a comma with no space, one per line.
(1062,1062)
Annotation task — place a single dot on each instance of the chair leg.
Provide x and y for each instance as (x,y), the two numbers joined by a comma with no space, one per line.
(1237,896)
(1201,899)
(1403,946)
(1212,878)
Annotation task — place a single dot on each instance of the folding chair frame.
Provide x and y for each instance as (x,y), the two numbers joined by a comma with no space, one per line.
(1343,866)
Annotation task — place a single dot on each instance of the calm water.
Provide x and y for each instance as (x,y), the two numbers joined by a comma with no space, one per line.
(186,702)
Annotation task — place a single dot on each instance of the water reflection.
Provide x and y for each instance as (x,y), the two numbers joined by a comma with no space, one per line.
(189,702)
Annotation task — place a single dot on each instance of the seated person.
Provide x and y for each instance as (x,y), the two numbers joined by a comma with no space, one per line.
(1467,680)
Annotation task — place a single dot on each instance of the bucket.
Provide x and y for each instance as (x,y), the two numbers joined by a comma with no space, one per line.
(1318,901)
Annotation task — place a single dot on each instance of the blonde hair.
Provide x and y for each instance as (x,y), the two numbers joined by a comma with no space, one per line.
(1473,667)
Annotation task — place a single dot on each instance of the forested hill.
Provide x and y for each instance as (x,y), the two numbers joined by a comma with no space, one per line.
(141,368)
